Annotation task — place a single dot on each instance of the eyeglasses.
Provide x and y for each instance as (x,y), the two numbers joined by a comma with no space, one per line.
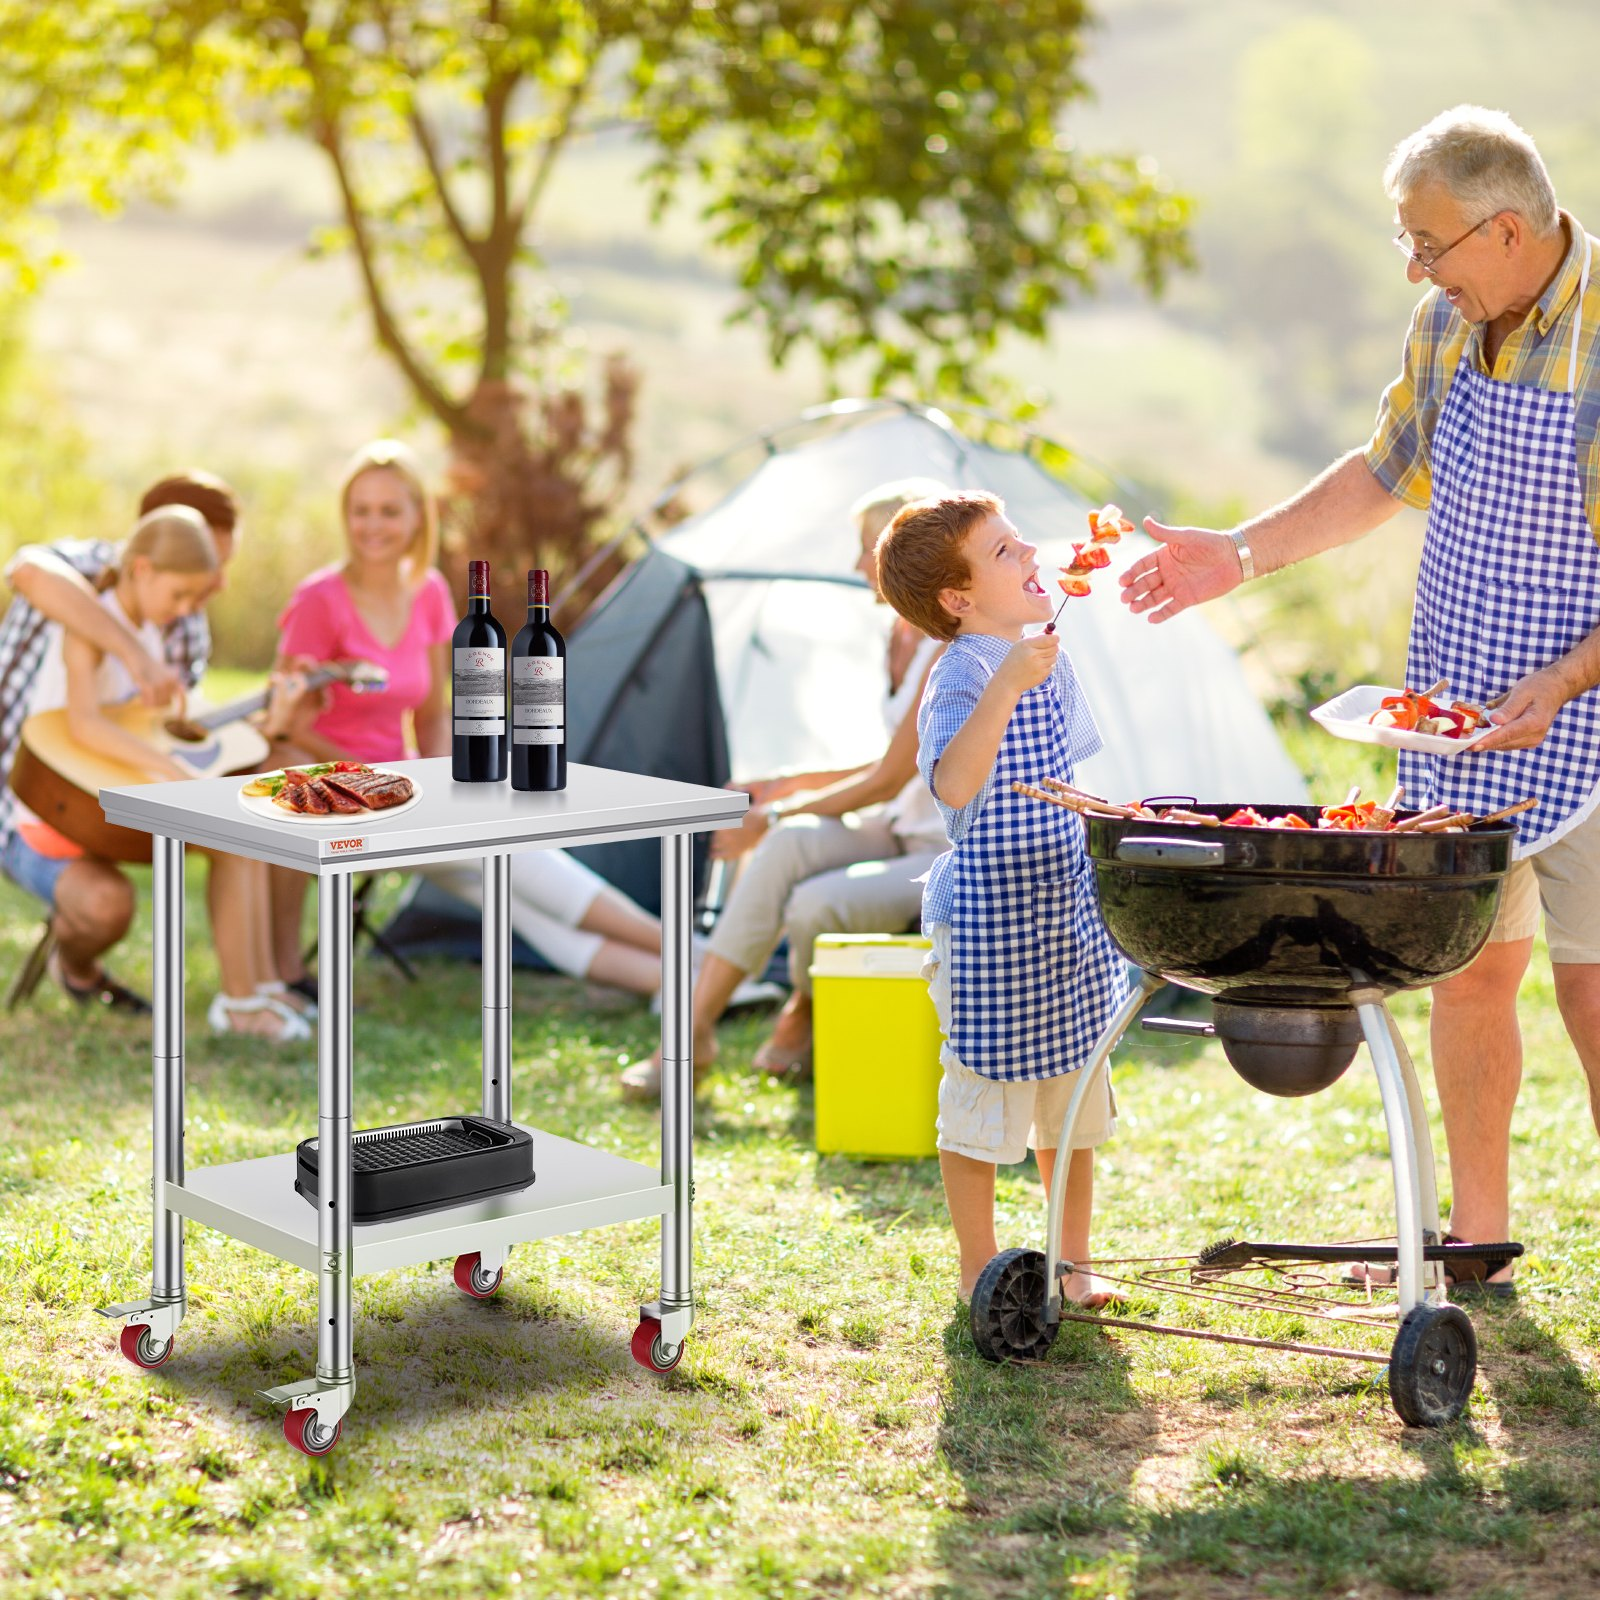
(1428,262)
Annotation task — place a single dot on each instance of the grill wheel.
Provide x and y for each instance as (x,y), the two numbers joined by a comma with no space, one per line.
(1432,1366)
(1008,1308)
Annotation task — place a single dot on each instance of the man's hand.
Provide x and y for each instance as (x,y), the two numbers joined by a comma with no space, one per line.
(1191,565)
(1525,715)
(159,682)
(1028,663)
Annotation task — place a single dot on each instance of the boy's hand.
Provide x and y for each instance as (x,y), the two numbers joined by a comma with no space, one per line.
(1029,662)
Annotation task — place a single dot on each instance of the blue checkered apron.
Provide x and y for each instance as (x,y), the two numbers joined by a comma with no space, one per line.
(1034,978)
(1510,581)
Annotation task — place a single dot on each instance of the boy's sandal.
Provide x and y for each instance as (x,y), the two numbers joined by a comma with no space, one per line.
(292,1027)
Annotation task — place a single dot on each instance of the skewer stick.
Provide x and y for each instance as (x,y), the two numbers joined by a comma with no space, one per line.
(1396,796)
(1072,790)
(1354,795)
(1084,807)
(1192,818)
(1437,690)
(1412,823)
(1455,819)
(1511,811)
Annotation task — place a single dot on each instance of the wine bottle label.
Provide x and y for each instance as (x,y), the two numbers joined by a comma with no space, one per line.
(478,691)
(538,700)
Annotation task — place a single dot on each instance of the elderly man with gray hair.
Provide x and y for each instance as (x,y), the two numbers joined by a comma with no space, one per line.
(1492,426)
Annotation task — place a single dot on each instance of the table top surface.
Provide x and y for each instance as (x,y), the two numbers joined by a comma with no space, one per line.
(450,819)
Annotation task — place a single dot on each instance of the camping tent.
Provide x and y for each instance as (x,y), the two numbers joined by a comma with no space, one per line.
(742,643)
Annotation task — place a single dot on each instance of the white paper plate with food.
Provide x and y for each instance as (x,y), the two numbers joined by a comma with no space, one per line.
(338,792)
(1407,719)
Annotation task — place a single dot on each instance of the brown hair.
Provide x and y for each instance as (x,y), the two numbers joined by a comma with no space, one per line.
(201,491)
(390,455)
(919,555)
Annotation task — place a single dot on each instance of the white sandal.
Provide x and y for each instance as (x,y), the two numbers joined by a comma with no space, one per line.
(277,989)
(293,1028)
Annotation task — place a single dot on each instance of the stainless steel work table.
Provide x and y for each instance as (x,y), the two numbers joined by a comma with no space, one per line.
(575,1187)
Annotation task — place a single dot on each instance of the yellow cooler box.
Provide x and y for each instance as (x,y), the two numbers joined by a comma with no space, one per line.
(875,1046)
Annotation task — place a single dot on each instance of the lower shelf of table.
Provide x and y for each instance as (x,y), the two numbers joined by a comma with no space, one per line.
(574,1187)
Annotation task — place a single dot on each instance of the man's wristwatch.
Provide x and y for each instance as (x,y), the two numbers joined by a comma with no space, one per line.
(1247,561)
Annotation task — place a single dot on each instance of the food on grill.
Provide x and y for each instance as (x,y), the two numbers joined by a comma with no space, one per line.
(335,787)
(1354,816)
(1106,527)
(1420,711)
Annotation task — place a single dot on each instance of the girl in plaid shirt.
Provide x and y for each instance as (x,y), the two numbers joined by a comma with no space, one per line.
(1022,971)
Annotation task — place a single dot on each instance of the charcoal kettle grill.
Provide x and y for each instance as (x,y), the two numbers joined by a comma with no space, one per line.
(1298,935)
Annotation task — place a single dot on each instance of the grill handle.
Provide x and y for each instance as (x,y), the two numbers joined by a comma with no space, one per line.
(1192,1030)
(1172,852)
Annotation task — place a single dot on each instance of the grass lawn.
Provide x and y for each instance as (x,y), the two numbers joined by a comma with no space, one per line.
(831,1429)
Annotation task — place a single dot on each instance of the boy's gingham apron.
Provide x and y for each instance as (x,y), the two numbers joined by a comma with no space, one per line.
(1034,976)
(1510,581)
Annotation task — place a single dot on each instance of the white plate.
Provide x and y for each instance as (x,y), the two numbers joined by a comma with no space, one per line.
(261,805)
(1346,717)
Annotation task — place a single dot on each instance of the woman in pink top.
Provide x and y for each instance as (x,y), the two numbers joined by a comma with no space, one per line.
(386,603)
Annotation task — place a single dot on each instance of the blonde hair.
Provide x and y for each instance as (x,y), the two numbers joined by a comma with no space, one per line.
(171,539)
(392,456)
(888,498)
(1485,161)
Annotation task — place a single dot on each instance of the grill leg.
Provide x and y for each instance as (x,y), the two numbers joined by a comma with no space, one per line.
(675,1309)
(1416,1201)
(163,1311)
(497,987)
(329,1393)
(1099,1062)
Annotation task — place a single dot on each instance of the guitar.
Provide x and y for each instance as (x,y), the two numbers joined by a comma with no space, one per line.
(60,780)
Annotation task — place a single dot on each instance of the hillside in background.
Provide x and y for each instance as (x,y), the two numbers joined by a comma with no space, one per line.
(207,333)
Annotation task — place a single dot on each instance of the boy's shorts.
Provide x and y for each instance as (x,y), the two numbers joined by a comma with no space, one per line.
(1565,878)
(991,1119)
(30,869)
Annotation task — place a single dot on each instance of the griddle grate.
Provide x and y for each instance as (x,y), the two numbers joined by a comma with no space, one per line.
(379,1153)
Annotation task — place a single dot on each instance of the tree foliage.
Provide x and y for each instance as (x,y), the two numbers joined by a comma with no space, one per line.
(891,181)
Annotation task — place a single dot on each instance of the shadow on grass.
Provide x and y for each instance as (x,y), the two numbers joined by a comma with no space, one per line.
(424,1359)
(1046,1453)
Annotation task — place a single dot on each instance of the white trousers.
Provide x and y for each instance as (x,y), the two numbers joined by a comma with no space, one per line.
(550,893)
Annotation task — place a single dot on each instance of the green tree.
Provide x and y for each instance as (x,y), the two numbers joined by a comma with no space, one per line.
(890,180)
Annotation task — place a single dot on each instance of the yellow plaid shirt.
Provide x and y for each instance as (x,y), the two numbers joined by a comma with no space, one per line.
(1536,352)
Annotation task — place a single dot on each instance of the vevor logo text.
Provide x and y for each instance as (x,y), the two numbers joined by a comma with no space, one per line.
(340,847)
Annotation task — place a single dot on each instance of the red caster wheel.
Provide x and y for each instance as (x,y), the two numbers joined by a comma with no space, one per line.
(141,1348)
(302,1429)
(647,1350)
(472,1279)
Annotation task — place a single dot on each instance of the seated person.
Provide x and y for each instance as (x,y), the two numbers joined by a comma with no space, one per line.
(830,852)
(163,572)
(387,602)
(91,900)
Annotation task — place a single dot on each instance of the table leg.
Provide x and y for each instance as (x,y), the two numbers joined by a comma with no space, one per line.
(675,1309)
(327,1396)
(497,987)
(158,1317)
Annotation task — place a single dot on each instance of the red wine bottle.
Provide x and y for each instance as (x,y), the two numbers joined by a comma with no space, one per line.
(478,687)
(538,695)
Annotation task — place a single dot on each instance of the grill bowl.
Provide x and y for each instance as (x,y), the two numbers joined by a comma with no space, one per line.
(1296,917)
